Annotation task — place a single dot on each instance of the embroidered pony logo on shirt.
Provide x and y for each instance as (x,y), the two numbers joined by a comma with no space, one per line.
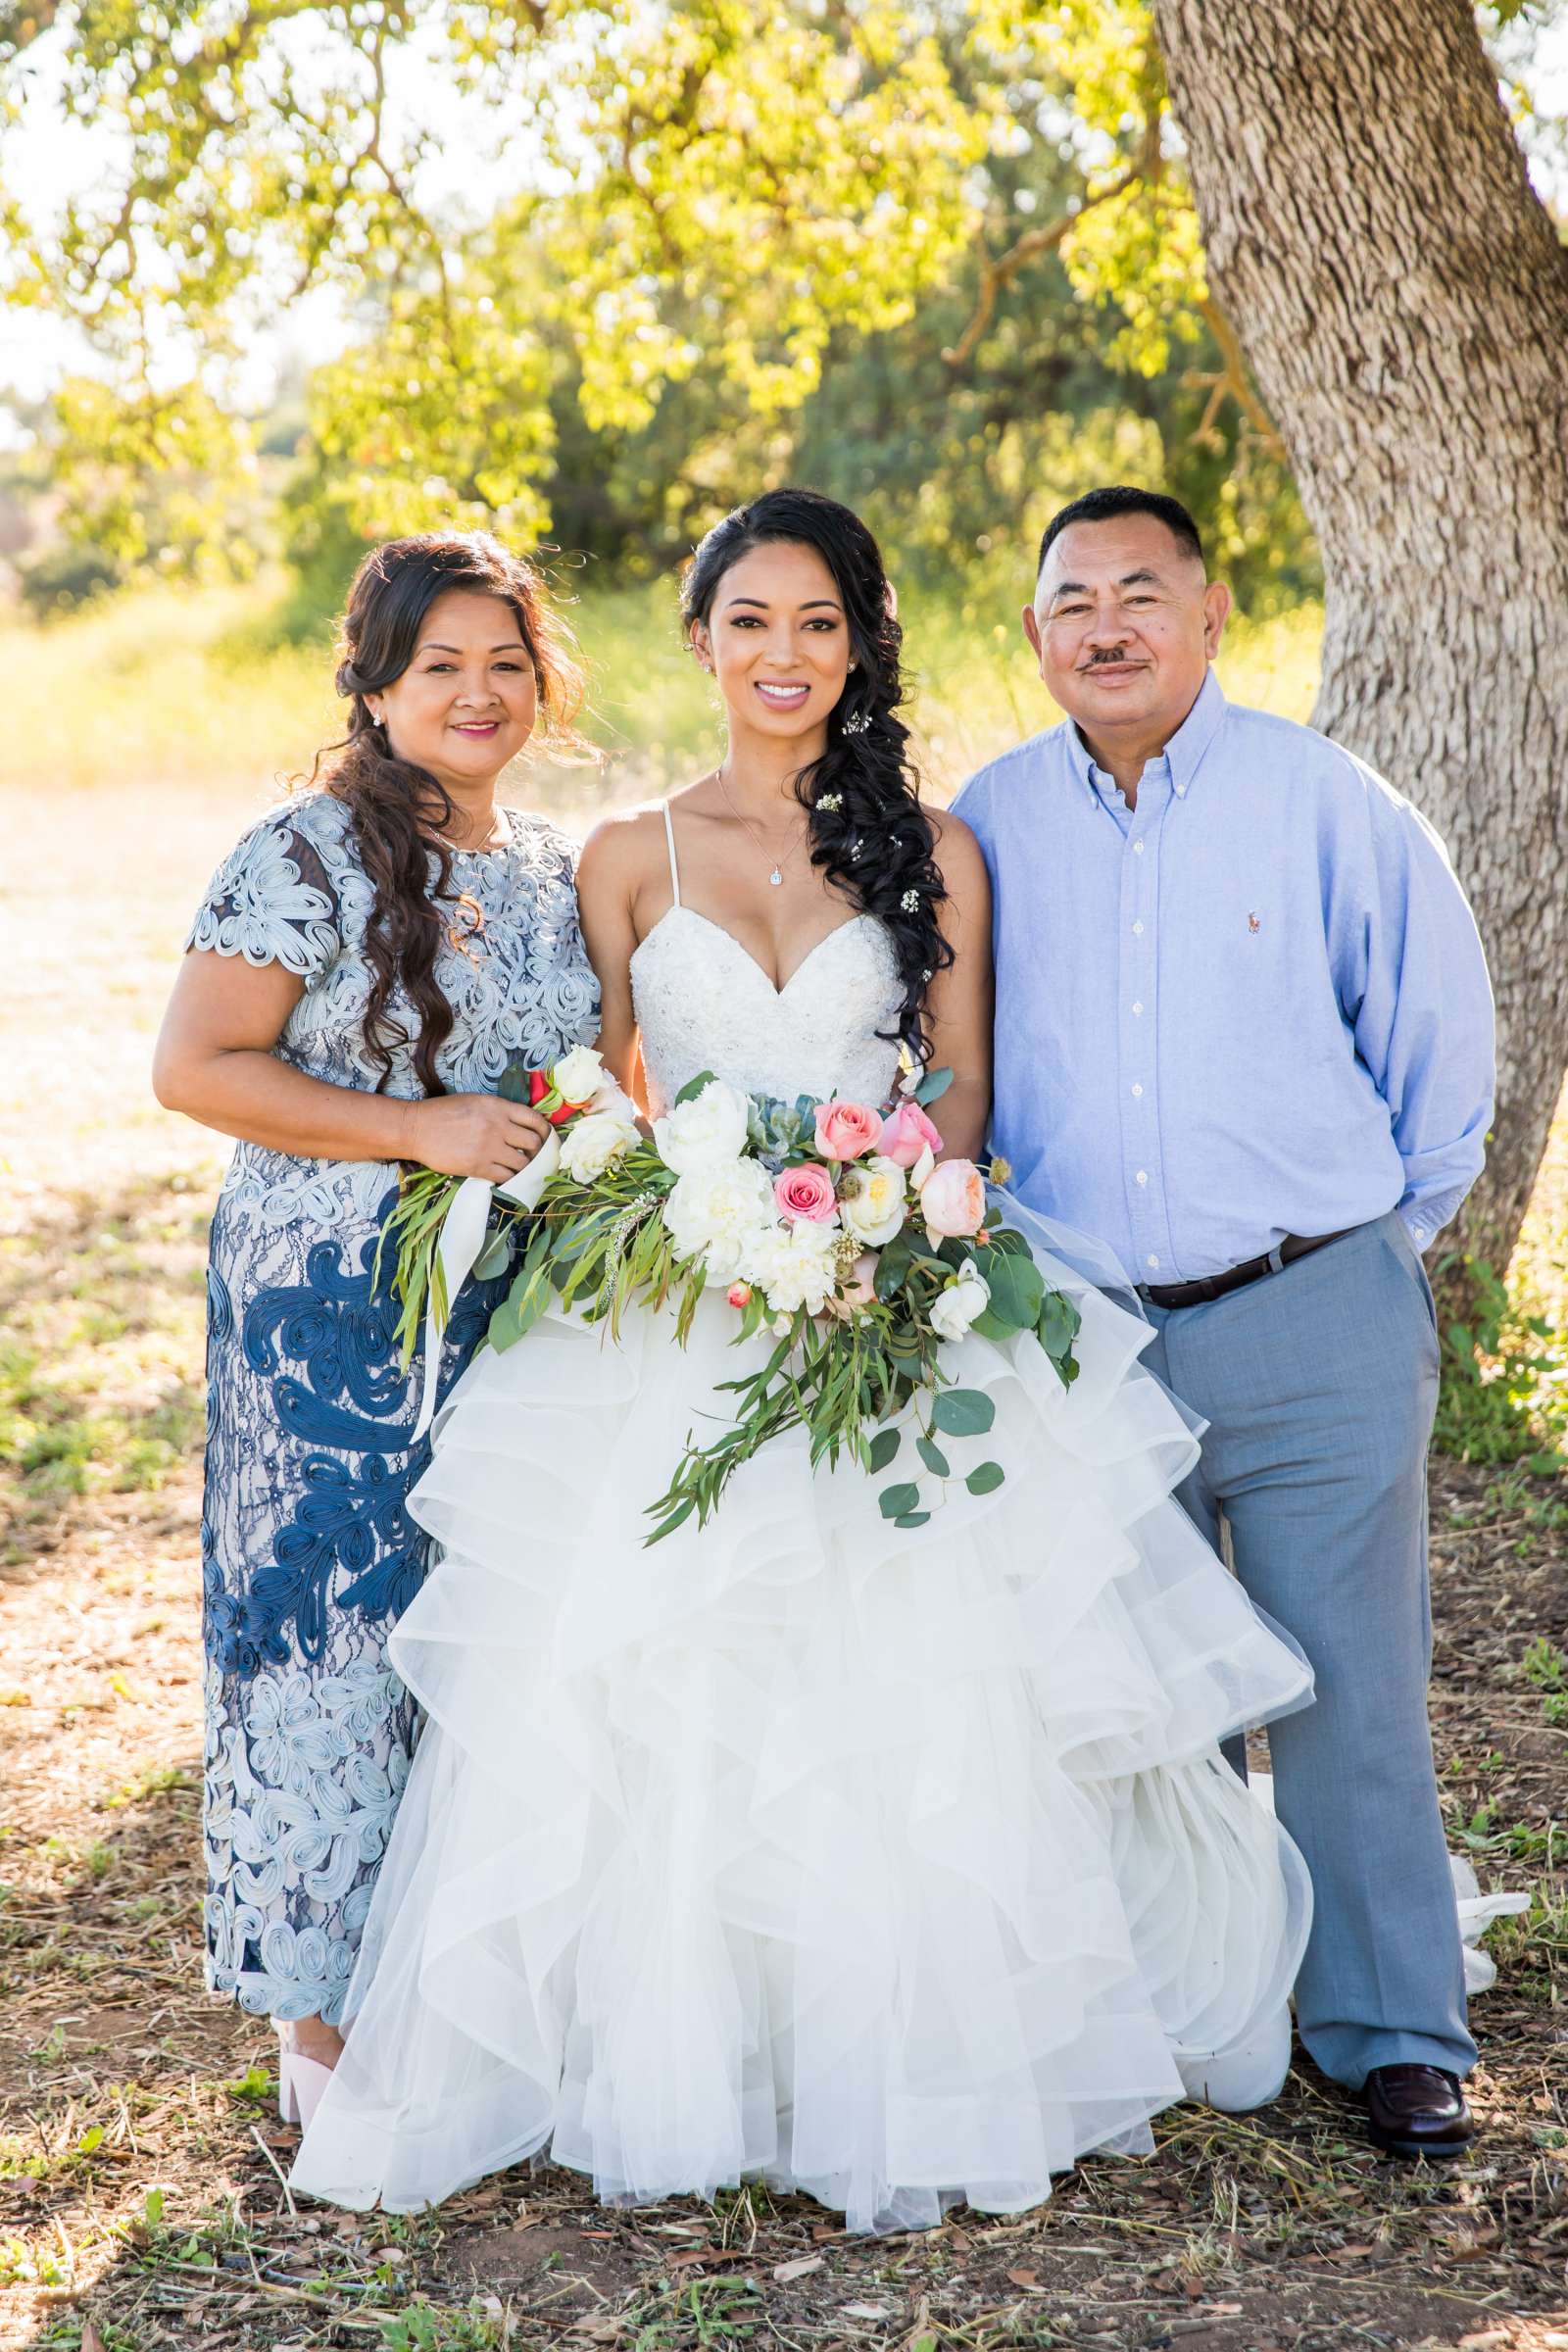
(1253,923)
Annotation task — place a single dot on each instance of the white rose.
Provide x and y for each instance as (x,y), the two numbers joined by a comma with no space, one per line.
(961,1304)
(713,1211)
(612,1097)
(579,1074)
(794,1265)
(871,1201)
(592,1144)
(710,1127)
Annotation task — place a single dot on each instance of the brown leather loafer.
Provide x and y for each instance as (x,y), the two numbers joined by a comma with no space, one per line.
(1417,2111)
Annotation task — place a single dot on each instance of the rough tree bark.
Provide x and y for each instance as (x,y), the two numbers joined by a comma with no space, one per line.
(1402,300)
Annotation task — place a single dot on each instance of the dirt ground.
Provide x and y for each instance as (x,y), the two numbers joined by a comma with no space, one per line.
(141,2159)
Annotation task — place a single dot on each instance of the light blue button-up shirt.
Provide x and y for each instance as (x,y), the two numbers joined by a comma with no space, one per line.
(1253,1005)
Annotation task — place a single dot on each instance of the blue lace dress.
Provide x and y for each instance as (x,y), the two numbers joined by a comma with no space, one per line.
(307,1552)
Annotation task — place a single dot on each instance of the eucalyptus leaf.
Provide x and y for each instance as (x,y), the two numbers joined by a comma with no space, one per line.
(893,1265)
(911,1519)
(1058,1325)
(519,1312)
(963,1412)
(985,1478)
(512,1086)
(1018,1290)
(494,1258)
(935,1460)
(884,1446)
(932,1087)
(895,1500)
(991,1327)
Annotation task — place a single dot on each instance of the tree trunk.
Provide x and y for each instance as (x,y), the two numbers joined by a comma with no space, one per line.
(1402,300)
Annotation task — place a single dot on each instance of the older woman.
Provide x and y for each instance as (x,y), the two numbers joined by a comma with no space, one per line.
(360,971)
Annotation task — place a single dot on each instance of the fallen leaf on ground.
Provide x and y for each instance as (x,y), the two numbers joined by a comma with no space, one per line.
(799,2268)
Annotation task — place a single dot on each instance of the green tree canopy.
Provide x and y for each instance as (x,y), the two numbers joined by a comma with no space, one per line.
(937,258)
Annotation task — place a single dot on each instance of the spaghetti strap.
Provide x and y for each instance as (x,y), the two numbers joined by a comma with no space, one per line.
(674,869)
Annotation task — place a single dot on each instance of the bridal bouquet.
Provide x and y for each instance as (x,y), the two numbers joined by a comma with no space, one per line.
(834,1230)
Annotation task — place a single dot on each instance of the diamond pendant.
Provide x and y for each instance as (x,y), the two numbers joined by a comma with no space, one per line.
(777,878)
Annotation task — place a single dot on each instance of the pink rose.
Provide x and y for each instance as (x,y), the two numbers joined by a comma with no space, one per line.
(953,1199)
(844,1130)
(908,1132)
(804,1191)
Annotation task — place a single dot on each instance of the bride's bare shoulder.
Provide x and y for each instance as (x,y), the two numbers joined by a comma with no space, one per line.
(623,849)
(958,853)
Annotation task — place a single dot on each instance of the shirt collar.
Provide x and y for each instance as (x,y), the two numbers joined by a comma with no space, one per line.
(1184,752)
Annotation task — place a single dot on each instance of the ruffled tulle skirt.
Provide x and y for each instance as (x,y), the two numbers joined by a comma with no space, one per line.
(896,1866)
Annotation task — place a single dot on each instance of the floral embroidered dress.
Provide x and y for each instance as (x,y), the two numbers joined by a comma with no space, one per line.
(307,1552)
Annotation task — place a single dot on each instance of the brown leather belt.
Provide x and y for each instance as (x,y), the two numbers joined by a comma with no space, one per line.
(1236,1278)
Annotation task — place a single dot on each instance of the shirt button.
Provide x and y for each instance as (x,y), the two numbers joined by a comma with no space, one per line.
(1143,1175)
(1138,930)
(1138,1009)
(1137,1087)
(1153,1261)
(1137,849)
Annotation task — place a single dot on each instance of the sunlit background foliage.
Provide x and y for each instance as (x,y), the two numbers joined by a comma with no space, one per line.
(593,274)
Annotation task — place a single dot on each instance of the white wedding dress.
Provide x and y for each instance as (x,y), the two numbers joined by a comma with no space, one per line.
(900,1867)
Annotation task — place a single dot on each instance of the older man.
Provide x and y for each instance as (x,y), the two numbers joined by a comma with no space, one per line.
(1243,1034)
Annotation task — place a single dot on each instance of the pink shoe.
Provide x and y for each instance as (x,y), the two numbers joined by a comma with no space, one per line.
(301,2081)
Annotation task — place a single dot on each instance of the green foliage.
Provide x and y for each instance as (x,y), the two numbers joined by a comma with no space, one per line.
(428,2328)
(68,575)
(1501,1396)
(924,259)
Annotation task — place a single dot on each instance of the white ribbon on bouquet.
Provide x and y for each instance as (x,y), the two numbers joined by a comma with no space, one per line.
(461,1239)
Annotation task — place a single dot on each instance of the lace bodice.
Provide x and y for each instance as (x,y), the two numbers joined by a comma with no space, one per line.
(703,1004)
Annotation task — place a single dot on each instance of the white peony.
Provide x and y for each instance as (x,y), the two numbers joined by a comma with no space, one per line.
(961,1304)
(592,1144)
(715,1212)
(709,1128)
(579,1074)
(871,1201)
(794,1265)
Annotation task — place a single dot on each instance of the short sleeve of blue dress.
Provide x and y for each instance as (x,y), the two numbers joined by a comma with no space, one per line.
(307,1552)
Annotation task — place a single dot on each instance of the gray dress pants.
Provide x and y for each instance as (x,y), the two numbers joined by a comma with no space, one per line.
(1319,1385)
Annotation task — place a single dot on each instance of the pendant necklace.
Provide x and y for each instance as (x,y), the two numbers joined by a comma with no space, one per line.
(776,877)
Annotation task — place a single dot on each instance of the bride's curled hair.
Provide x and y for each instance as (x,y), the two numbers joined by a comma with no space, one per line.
(402,813)
(868,833)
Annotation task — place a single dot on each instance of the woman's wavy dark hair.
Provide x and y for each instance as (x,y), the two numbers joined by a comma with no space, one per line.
(401,813)
(868,833)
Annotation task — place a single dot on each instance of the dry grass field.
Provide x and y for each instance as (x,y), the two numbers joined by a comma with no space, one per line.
(141,2159)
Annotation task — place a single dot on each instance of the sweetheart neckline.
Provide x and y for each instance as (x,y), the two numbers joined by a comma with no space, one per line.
(777,992)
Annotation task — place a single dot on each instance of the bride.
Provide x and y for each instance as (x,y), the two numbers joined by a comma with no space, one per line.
(899,1867)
